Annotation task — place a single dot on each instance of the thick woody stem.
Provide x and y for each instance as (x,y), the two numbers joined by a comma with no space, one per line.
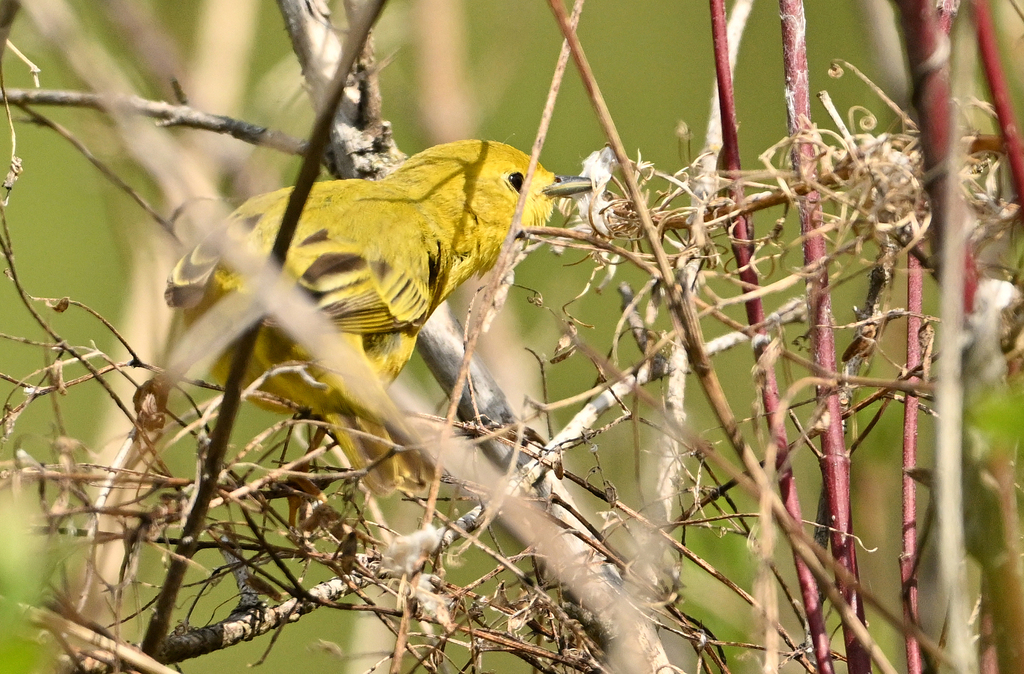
(361,142)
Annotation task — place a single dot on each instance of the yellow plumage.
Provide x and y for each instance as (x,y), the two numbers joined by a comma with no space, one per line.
(377,258)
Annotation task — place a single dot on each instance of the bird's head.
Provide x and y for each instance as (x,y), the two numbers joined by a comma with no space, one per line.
(485,178)
(474,186)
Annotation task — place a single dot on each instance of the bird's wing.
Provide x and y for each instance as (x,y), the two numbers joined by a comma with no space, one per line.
(363,260)
(189,280)
(372,272)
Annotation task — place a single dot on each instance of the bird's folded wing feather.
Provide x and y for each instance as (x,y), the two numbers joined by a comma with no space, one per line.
(370,277)
(190,278)
(351,259)
(187,283)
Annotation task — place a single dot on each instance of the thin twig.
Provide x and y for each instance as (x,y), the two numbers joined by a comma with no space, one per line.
(105,170)
(486,300)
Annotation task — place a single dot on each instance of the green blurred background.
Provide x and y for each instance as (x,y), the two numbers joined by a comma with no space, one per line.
(76,235)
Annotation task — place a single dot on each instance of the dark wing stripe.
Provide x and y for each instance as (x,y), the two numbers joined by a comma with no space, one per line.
(434,267)
(330,264)
(408,299)
(364,296)
(184,297)
(318,236)
(401,296)
(361,302)
(250,222)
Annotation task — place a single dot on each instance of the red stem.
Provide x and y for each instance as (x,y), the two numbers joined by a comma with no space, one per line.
(947,12)
(928,51)
(742,230)
(988,654)
(908,556)
(835,463)
(743,248)
(989,50)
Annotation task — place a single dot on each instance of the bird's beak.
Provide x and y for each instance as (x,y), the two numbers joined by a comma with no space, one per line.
(566,186)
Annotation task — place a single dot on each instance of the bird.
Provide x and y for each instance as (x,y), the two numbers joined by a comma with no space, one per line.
(377,258)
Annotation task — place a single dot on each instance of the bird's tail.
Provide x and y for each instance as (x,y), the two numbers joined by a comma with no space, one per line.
(391,460)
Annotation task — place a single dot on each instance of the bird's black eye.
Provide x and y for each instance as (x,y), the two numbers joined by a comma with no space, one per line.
(516,181)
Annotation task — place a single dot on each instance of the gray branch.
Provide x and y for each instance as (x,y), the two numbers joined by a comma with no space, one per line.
(167,113)
(246,622)
(361,142)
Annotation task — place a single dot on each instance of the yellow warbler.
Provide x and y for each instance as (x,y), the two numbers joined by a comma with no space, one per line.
(377,258)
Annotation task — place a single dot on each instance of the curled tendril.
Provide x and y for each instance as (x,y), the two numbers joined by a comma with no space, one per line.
(835,70)
(867,121)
